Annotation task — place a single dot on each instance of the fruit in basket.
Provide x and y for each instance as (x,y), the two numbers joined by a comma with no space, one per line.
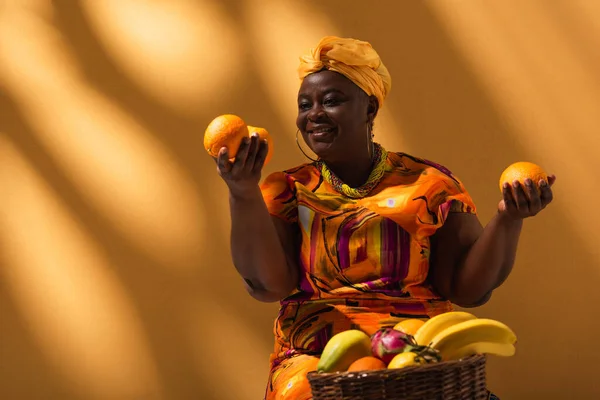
(343,349)
(496,349)
(403,360)
(439,323)
(226,130)
(387,342)
(409,326)
(418,356)
(522,170)
(263,134)
(368,363)
(456,337)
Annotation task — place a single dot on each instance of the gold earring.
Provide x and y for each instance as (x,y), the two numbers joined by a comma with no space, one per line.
(300,147)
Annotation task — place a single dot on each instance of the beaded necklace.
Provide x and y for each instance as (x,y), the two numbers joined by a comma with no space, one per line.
(375,176)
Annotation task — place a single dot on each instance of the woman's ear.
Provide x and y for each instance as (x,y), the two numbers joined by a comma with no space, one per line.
(372,108)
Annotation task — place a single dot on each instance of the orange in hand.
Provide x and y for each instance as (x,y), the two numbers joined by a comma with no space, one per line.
(520,171)
(263,135)
(226,130)
(368,363)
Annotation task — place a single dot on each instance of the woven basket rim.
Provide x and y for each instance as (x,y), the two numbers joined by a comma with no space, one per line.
(394,372)
(457,379)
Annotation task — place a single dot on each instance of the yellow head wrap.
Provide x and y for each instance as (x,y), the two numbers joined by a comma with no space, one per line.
(354,59)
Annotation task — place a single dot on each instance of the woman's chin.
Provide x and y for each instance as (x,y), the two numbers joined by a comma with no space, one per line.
(324,152)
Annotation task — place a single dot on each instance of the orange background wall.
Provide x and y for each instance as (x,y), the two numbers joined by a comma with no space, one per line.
(115,278)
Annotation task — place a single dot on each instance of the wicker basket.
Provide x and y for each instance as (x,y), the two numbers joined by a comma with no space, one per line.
(452,380)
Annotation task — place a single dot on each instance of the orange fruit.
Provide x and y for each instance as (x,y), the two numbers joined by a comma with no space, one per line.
(409,326)
(522,170)
(226,130)
(368,363)
(263,134)
(297,386)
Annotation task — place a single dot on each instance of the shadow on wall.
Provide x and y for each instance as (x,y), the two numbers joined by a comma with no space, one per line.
(175,308)
(189,298)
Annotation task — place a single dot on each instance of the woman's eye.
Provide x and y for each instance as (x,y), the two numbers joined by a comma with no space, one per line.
(304,106)
(331,102)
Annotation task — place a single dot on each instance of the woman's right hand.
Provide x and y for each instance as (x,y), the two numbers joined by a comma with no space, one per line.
(243,174)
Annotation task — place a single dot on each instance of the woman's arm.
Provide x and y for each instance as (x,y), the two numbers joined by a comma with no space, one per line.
(264,249)
(468,261)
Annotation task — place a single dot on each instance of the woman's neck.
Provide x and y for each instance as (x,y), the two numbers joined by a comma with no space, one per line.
(353,173)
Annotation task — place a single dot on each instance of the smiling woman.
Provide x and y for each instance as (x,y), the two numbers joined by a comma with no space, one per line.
(340,130)
(361,238)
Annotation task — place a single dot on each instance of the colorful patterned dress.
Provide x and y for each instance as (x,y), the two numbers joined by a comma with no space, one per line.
(364,262)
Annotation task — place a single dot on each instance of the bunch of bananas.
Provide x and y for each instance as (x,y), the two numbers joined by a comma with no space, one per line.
(446,337)
(460,334)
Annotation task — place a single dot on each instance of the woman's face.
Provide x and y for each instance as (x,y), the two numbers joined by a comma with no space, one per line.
(334,115)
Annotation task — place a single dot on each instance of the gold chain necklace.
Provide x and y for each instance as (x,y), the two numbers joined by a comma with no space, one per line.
(361,191)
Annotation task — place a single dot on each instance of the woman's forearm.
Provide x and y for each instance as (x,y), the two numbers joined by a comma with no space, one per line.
(257,250)
(489,261)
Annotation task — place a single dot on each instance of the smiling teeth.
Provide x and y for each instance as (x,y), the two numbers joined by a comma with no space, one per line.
(327,130)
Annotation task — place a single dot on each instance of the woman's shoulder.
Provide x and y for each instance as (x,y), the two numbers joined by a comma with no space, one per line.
(295,173)
(408,164)
(301,173)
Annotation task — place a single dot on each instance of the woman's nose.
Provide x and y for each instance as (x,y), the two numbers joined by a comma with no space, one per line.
(316,113)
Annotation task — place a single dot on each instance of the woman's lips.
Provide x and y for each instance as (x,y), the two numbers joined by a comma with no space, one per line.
(321,134)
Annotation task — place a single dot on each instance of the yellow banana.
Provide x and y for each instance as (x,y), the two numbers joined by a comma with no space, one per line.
(343,349)
(439,323)
(497,349)
(467,333)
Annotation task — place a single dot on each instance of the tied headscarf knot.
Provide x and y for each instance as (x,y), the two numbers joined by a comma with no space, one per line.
(355,59)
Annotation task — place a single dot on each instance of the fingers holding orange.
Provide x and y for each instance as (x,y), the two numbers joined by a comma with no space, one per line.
(253,148)
(231,132)
(507,204)
(547,195)
(522,170)
(261,158)
(525,189)
(224,165)
(240,160)
(520,198)
(533,196)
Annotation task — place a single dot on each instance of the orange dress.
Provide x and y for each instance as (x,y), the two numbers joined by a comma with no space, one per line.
(364,262)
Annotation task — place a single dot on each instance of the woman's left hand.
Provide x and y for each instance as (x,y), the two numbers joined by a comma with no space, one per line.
(522,201)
